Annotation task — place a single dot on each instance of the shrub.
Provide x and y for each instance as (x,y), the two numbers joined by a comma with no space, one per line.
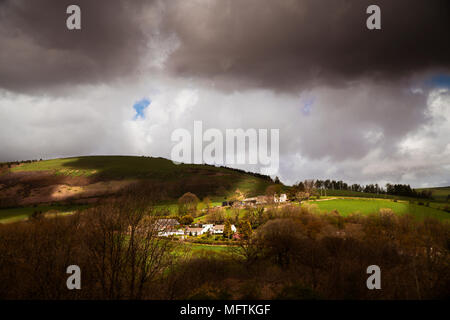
(187,204)
(186,220)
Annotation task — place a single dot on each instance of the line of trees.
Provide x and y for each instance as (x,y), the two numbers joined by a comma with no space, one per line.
(405,190)
(315,186)
(11,163)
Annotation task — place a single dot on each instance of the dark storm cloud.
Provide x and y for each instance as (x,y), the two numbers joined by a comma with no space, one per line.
(38,51)
(348,123)
(280,45)
(302,43)
(353,104)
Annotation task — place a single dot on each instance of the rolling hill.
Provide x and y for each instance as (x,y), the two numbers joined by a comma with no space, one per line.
(63,185)
(86,179)
(440,194)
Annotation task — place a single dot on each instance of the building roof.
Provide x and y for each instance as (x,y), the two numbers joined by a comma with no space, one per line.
(194,229)
(174,230)
(166,223)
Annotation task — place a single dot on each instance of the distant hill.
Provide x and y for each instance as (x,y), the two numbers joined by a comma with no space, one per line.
(439,193)
(84,178)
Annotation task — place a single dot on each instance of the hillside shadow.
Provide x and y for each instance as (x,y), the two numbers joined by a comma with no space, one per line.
(64,180)
(121,167)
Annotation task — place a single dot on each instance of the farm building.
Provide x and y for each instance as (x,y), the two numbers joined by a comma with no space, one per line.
(163,224)
(171,232)
(195,231)
(281,198)
(218,229)
(252,200)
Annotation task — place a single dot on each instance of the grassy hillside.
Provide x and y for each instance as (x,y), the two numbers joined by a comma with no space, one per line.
(79,181)
(111,167)
(104,168)
(18,214)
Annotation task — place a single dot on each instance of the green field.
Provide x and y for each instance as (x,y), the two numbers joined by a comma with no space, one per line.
(197,249)
(350,193)
(367,206)
(439,194)
(18,214)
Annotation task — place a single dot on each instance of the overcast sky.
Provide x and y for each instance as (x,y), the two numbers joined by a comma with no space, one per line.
(365,106)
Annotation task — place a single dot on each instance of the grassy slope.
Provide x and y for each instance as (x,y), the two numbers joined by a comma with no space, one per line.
(129,167)
(17,214)
(366,206)
(159,169)
(110,167)
(107,168)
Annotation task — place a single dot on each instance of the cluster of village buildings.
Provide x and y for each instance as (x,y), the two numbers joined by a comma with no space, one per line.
(170,227)
(259,200)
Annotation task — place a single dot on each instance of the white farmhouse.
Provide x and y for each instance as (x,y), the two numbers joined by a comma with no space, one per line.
(281,198)
(171,232)
(207,226)
(196,231)
(218,229)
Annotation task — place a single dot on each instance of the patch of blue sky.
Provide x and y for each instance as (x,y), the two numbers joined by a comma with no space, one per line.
(439,81)
(139,107)
(307,105)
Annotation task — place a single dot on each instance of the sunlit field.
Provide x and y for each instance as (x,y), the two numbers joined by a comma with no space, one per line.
(367,206)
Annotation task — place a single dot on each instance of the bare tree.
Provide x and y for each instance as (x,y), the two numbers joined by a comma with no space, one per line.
(124,248)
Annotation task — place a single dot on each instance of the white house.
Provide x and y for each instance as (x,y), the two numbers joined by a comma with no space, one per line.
(208,226)
(171,232)
(218,229)
(281,198)
(196,231)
